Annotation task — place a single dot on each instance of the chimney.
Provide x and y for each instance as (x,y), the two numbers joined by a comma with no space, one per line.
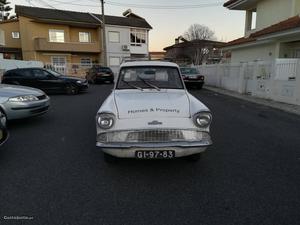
(176,41)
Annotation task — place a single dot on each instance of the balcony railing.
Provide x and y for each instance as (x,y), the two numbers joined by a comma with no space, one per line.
(42,44)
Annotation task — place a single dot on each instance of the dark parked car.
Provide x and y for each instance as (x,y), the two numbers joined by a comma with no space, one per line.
(46,80)
(3,130)
(192,77)
(98,74)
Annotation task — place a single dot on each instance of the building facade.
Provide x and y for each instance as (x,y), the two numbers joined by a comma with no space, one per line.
(195,52)
(272,30)
(70,41)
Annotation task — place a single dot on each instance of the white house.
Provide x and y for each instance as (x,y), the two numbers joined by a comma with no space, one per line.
(272,30)
(126,38)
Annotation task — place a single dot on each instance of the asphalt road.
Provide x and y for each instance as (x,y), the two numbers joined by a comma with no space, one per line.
(50,170)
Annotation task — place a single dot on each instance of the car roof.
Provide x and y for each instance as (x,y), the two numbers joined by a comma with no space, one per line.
(148,63)
(26,68)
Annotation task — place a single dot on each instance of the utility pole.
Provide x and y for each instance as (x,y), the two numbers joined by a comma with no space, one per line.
(103,35)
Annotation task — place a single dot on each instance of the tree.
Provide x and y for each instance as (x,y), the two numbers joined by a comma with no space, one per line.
(199,32)
(5,9)
(199,49)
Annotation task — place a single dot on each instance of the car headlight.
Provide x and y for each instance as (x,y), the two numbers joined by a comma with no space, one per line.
(24,98)
(79,82)
(105,120)
(202,119)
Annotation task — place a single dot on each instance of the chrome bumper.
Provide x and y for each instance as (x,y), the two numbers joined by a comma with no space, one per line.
(127,150)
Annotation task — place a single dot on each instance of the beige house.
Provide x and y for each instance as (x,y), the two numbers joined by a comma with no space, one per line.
(60,37)
(272,30)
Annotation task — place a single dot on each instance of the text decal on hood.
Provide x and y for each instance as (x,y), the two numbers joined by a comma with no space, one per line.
(161,110)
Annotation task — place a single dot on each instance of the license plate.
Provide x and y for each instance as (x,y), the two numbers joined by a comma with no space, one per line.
(193,77)
(155,154)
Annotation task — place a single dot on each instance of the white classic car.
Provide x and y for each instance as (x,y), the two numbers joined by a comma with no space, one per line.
(150,115)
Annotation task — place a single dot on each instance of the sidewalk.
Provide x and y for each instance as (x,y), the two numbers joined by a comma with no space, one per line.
(295,109)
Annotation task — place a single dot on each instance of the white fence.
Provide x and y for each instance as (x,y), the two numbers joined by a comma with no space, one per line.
(75,69)
(278,80)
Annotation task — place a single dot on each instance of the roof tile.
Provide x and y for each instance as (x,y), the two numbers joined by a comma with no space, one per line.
(291,23)
(75,17)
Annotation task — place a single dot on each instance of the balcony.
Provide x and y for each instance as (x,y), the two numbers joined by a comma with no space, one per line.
(42,44)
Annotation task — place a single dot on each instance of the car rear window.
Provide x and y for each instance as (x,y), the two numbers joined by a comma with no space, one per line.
(147,76)
(19,73)
(103,70)
(188,71)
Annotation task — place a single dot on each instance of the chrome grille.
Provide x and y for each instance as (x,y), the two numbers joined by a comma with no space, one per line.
(155,136)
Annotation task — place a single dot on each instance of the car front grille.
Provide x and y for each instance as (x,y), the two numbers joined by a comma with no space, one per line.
(155,136)
(151,136)
(41,97)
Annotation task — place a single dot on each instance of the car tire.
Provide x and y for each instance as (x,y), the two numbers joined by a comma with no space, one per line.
(72,89)
(4,115)
(194,158)
(109,158)
(200,86)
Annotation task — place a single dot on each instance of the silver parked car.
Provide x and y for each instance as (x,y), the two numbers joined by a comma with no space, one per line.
(17,102)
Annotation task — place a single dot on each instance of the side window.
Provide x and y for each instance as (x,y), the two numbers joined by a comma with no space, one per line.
(25,73)
(41,74)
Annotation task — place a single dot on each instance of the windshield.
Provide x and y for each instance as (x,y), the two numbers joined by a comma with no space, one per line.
(187,71)
(54,73)
(150,77)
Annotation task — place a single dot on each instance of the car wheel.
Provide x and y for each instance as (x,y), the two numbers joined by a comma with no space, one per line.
(194,158)
(72,89)
(112,81)
(109,158)
(3,117)
(200,86)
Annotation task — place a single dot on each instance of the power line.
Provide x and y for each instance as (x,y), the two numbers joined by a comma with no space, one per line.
(144,6)
(46,3)
(165,6)
(30,3)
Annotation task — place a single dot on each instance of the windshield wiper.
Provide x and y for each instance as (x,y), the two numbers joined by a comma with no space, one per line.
(149,84)
(131,85)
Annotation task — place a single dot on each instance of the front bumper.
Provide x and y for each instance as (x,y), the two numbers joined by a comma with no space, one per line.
(20,110)
(194,82)
(127,150)
(83,86)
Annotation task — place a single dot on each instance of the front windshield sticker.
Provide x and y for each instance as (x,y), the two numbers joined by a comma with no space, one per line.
(162,110)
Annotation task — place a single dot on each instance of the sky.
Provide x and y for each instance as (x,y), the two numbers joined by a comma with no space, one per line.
(167,23)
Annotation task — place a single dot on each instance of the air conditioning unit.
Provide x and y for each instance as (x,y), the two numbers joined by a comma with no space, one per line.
(125,47)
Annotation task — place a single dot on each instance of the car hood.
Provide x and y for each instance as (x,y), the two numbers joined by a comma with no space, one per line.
(16,90)
(152,104)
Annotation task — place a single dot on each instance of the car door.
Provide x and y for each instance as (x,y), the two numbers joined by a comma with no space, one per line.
(25,77)
(47,81)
